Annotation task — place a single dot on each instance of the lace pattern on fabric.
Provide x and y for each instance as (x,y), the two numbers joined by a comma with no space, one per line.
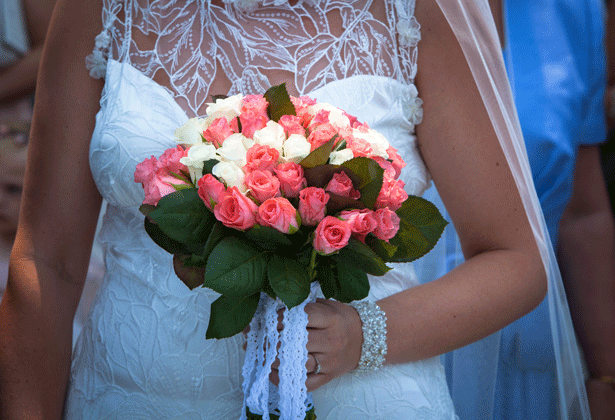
(196,48)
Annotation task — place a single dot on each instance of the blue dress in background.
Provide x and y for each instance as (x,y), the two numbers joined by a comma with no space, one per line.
(557,69)
(556,63)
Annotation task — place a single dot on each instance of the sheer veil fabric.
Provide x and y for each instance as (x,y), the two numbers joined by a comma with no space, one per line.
(474,368)
(186,47)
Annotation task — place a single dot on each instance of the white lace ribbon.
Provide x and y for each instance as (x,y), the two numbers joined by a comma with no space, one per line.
(290,400)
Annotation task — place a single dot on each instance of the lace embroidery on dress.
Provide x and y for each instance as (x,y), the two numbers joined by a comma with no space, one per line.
(196,48)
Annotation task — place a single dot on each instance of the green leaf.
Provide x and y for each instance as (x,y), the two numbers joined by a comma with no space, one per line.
(353,282)
(341,281)
(385,250)
(279,102)
(217,97)
(183,217)
(326,275)
(371,175)
(217,233)
(162,240)
(268,237)
(208,166)
(147,208)
(289,279)
(357,254)
(236,268)
(420,228)
(179,187)
(230,316)
(319,156)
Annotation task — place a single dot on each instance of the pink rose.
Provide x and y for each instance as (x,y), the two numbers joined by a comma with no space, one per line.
(254,103)
(362,127)
(312,205)
(251,122)
(291,125)
(291,178)
(389,170)
(388,224)
(392,194)
(261,157)
(397,161)
(321,117)
(331,235)
(322,134)
(156,174)
(354,121)
(235,210)
(359,147)
(210,190)
(169,160)
(341,184)
(301,106)
(262,185)
(218,131)
(279,214)
(361,222)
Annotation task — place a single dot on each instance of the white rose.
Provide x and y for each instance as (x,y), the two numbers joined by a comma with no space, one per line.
(296,147)
(228,108)
(271,135)
(230,174)
(191,132)
(247,142)
(233,149)
(197,155)
(336,115)
(378,142)
(340,156)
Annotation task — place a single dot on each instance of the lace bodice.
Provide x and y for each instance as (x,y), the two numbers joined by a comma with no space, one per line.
(198,47)
(143,353)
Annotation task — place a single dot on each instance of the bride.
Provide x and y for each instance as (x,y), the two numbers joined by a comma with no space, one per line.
(143,353)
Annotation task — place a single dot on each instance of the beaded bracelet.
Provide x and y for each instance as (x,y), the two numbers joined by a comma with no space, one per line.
(374,327)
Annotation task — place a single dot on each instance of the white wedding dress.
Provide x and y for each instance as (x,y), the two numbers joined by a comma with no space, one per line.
(142,353)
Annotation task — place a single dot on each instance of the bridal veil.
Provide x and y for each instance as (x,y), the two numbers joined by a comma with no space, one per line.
(474,368)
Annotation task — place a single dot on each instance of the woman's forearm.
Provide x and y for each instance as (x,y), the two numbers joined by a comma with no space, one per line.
(476,299)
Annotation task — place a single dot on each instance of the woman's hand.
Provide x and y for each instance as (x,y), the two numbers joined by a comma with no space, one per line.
(335,338)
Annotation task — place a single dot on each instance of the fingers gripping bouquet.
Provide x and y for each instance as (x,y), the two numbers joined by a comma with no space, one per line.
(268,197)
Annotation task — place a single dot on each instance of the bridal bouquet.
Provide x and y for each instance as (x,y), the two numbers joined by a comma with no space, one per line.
(266,198)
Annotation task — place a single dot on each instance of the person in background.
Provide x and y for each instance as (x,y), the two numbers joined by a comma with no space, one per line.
(559,84)
(558,81)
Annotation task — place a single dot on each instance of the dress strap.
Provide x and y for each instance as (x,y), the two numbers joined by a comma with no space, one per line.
(408,35)
(96,62)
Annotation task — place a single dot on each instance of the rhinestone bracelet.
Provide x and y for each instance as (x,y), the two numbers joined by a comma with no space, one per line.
(374,328)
